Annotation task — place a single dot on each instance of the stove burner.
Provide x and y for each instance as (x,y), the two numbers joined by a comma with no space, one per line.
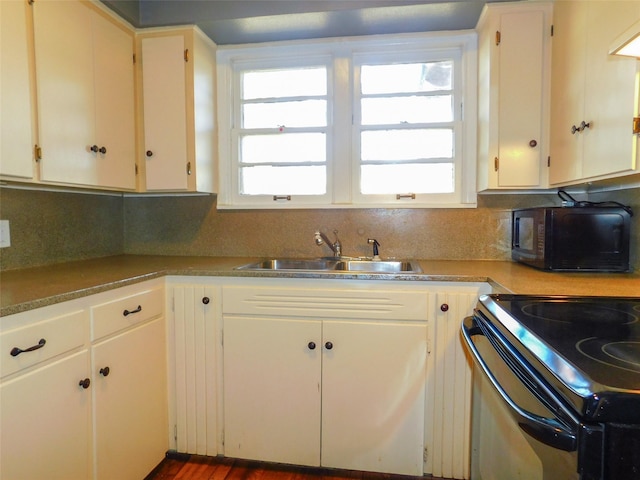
(583,312)
(624,355)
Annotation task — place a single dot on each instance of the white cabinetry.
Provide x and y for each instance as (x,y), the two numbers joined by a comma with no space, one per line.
(16,77)
(513,95)
(128,364)
(594,94)
(63,414)
(312,376)
(178,92)
(85,91)
(45,409)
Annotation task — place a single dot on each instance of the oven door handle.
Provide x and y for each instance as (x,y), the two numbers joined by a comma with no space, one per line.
(547,430)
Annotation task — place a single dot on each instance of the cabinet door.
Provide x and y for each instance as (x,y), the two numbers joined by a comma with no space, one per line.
(610,91)
(130,408)
(567,90)
(45,422)
(521,101)
(165,124)
(373,394)
(114,99)
(16,140)
(272,389)
(66,106)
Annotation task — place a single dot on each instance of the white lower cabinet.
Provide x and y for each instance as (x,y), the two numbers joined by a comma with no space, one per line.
(353,374)
(83,390)
(45,422)
(129,388)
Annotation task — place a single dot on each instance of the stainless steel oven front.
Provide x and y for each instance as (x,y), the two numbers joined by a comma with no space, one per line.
(520,431)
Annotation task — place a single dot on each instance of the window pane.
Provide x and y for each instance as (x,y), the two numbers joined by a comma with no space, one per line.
(291,82)
(407,77)
(276,180)
(380,111)
(308,113)
(406,144)
(284,148)
(407,178)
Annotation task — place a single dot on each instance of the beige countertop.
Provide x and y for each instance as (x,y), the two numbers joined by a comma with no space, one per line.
(30,288)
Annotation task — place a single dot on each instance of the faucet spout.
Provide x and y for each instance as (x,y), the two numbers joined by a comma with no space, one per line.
(336,247)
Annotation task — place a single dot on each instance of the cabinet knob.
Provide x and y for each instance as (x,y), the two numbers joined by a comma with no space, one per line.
(444,307)
(574,129)
(206,300)
(85,383)
(102,150)
(533,144)
(94,148)
(311,345)
(328,345)
(584,125)
(149,153)
(105,371)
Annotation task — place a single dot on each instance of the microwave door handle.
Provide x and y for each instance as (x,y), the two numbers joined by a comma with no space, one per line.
(516,233)
(547,430)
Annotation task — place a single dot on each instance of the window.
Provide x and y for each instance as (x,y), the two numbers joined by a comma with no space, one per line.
(349,123)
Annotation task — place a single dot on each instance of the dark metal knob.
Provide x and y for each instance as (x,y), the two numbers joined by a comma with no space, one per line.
(149,153)
(574,129)
(328,345)
(85,383)
(206,300)
(533,144)
(94,148)
(104,371)
(103,150)
(584,125)
(311,345)
(444,307)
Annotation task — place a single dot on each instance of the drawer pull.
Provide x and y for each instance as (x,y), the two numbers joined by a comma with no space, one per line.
(105,371)
(84,383)
(328,345)
(15,351)
(129,312)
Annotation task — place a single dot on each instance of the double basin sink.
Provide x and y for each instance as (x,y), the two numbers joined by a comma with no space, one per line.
(334,265)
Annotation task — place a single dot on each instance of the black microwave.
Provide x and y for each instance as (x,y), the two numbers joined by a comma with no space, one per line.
(593,239)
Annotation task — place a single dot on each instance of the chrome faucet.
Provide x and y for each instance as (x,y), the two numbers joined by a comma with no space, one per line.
(336,246)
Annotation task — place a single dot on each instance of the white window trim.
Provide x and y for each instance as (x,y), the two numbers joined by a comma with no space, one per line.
(341,173)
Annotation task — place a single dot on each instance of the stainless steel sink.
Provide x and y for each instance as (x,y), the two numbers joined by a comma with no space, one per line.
(291,264)
(380,266)
(334,266)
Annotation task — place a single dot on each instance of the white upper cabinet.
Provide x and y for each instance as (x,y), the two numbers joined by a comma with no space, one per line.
(16,77)
(514,63)
(85,90)
(594,94)
(178,104)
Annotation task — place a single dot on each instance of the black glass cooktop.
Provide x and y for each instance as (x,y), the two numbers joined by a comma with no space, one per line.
(590,344)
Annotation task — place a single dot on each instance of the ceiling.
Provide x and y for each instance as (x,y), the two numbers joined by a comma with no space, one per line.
(255,21)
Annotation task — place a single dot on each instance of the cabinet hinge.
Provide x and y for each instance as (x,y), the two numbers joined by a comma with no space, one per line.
(549,161)
(498,36)
(636,125)
(175,433)
(134,58)
(37,152)
(186,54)
(552,30)
(496,163)
(136,169)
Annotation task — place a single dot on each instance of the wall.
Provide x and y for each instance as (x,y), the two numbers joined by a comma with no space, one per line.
(53,227)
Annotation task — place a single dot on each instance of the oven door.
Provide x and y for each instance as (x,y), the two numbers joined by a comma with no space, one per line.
(520,430)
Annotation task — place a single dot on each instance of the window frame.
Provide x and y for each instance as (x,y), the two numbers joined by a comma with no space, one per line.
(343,159)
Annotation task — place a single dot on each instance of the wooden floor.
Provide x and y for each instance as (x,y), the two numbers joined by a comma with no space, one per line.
(218,468)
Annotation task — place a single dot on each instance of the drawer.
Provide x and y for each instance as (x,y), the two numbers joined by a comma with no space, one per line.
(121,313)
(338,303)
(44,339)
